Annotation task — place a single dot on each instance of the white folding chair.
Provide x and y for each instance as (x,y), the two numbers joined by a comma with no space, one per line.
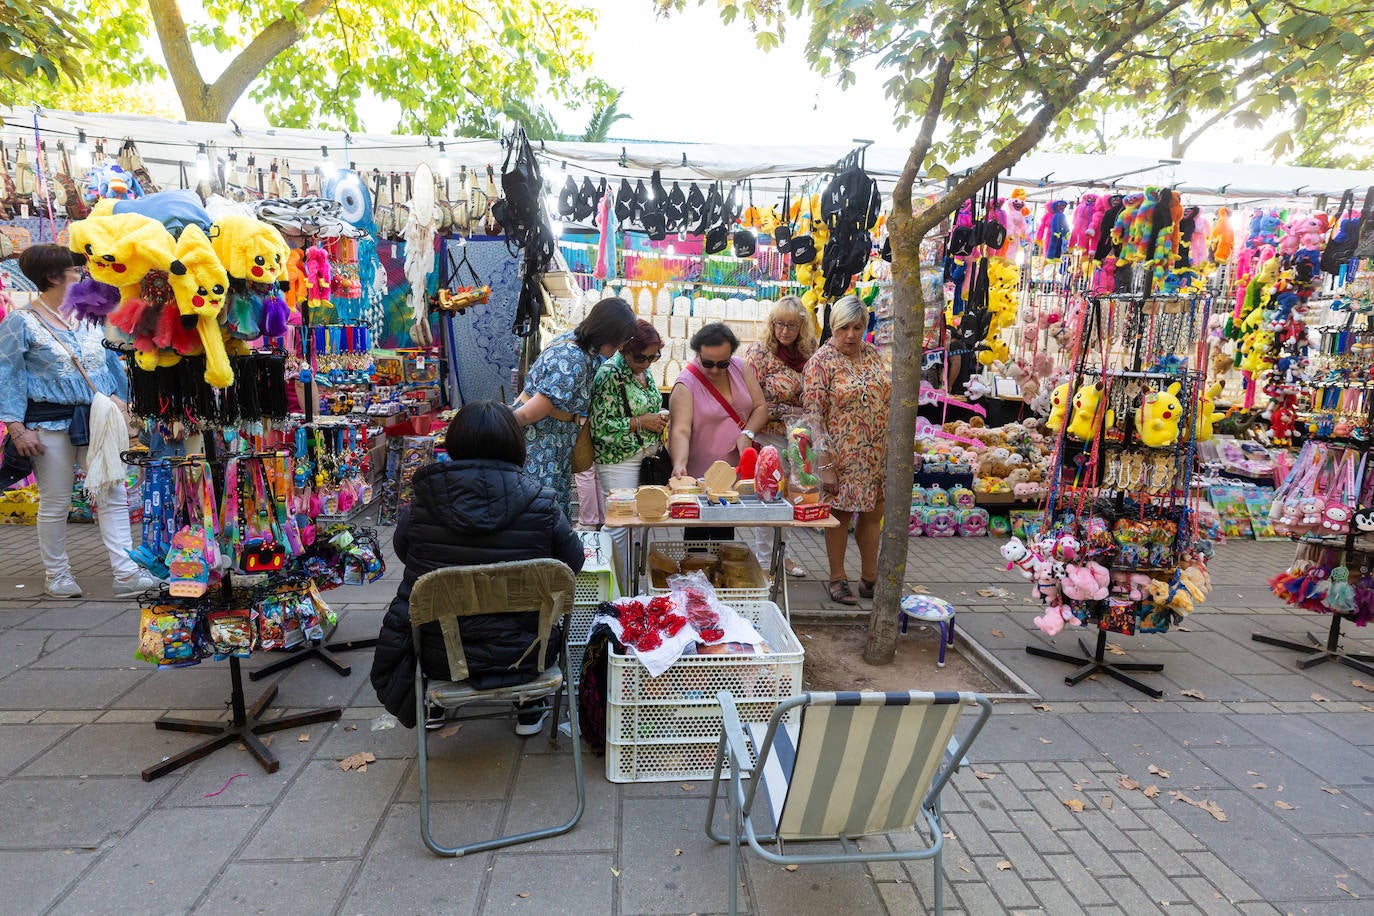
(544,586)
(856,764)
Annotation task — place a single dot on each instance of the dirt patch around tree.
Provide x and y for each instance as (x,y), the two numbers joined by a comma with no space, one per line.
(834,661)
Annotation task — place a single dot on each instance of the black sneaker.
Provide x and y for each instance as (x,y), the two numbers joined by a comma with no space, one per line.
(530,722)
(434,718)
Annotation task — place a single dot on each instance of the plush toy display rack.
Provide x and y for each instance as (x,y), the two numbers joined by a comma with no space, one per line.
(245,722)
(1081,479)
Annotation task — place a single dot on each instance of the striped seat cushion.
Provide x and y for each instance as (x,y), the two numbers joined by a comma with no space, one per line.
(860,766)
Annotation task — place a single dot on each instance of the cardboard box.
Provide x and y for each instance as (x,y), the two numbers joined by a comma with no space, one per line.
(810,512)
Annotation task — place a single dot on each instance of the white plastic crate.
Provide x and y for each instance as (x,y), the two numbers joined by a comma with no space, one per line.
(676,550)
(666,727)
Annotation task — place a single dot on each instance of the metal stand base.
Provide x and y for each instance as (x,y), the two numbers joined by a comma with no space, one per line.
(245,726)
(324,653)
(1317,653)
(1091,663)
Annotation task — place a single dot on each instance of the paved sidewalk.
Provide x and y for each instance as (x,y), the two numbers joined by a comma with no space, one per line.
(84,834)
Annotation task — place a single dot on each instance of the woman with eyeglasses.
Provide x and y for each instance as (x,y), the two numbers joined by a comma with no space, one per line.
(847,386)
(50,365)
(558,393)
(716,408)
(627,421)
(778,361)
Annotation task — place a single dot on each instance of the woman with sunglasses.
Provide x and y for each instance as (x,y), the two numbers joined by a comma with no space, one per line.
(847,387)
(627,424)
(716,408)
(778,361)
(558,392)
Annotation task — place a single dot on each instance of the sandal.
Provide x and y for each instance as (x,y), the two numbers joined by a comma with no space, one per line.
(866,587)
(794,568)
(840,593)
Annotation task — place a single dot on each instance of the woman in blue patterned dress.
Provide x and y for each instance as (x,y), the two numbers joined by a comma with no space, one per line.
(558,391)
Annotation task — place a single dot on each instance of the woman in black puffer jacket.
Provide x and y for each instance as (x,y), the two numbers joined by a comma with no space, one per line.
(475,508)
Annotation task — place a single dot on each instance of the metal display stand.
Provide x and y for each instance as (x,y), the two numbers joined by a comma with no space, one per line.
(245,724)
(1094,662)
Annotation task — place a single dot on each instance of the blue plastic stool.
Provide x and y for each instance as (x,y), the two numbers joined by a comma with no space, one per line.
(929,609)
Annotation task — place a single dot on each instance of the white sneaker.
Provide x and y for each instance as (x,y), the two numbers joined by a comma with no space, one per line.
(531,722)
(136,584)
(62,585)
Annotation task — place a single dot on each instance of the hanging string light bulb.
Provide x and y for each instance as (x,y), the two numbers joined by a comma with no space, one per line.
(81,154)
(444,167)
(202,163)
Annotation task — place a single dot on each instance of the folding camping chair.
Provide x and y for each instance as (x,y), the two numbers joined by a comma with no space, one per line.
(856,764)
(447,595)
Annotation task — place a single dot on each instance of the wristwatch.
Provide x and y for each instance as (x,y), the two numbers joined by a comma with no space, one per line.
(748,434)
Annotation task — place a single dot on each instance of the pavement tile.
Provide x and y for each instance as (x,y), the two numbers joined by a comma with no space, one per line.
(902,899)
(1025,738)
(1007,884)
(476,763)
(1315,811)
(400,875)
(73,615)
(80,813)
(970,834)
(34,878)
(1303,740)
(1205,897)
(255,786)
(1095,857)
(1106,833)
(299,888)
(19,743)
(82,652)
(1202,729)
(351,735)
(991,814)
(22,648)
(1132,898)
(329,811)
(1079,881)
(1355,853)
(1155,883)
(168,858)
(653,879)
(53,689)
(811,890)
(555,883)
(545,794)
(1025,859)
(1040,832)
(123,749)
(1055,898)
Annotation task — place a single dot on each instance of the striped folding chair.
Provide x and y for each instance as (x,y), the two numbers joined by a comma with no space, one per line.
(855,764)
(447,595)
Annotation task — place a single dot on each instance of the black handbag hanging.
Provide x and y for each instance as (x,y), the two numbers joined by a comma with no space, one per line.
(654,470)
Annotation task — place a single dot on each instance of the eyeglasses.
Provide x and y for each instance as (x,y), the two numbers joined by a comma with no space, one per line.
(646,358)
(716,364)
(786,326)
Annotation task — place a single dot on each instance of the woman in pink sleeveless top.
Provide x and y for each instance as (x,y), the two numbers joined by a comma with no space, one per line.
(701,430)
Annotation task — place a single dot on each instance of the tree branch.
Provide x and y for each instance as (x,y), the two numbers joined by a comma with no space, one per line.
(281,34)
(181,60)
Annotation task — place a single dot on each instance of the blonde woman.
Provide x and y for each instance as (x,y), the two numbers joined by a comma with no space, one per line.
(847,388)
(778,361)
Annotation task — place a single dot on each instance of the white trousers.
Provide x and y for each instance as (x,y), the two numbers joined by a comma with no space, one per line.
(763,537)
(615,476)
(54,470)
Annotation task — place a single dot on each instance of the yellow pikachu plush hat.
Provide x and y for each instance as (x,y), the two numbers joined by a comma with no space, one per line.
(249,249)
(122,248)
(201,286)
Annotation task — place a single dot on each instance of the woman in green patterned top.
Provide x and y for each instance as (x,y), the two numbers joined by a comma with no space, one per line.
(622,438)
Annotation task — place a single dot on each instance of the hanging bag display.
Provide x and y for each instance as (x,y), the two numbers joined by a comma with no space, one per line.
(1340,247)
(1364,248)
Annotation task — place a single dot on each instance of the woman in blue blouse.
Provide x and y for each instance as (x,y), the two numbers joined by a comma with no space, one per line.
(40,389)
(558,393)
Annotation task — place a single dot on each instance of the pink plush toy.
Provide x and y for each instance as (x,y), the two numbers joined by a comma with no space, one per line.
(1018,228)
(1055,617)
(1079,239)
(1197,251)
(1087,582)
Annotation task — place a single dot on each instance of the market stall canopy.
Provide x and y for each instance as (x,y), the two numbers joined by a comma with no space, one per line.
(166,145)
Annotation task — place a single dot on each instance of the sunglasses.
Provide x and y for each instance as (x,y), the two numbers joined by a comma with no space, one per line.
(646,358)
(714,364)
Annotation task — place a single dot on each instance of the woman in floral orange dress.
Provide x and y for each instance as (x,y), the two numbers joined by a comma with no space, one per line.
(847,387)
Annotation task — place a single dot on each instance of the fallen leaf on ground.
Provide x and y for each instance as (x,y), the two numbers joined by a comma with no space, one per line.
(523,894)
(1367,708)
(962,867)
(1207,805)
(1182,629)
(1260,785)
(1041,707)
(996,634)
(789,868)
(615,871)
(1046,741)
(1151,791)
(965,594)
(677,852)
(1285,806)
(949,834)
(358,761)
(350,728)
(1126,782)
(1331,790)
(1251,773)
(1107,802)
(448,731)
(1345,887)
(1003,865)
(1195,694)
(1162,774)
(1115,649)
(687,787)
(1319,698)
(981,775)
(1074,805)
(303,737)
(1362,685)
(993,593)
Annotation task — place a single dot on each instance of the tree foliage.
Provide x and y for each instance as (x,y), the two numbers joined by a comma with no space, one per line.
(37,41)
(1299,76)
(542,124)
(992,77)
(451,65)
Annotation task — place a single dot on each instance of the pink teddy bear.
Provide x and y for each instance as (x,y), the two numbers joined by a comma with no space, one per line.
(1088,582)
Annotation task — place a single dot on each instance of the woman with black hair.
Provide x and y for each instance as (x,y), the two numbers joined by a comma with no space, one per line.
(478,507)
(558,391)
(50,367)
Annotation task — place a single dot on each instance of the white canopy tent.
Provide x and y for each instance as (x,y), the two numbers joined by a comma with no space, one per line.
(166,145)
